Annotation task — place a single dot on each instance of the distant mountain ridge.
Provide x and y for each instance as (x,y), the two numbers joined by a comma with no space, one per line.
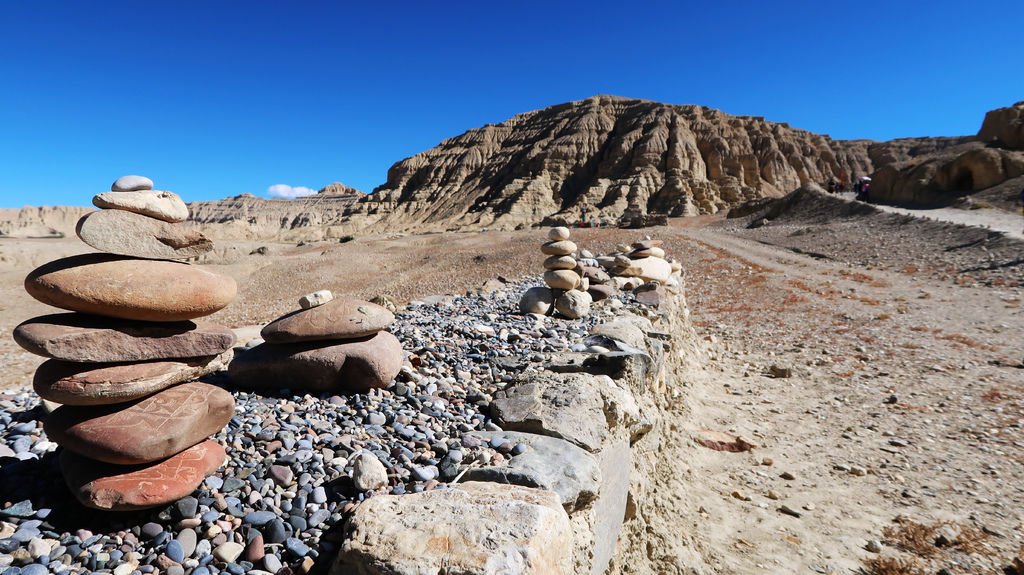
(590,159)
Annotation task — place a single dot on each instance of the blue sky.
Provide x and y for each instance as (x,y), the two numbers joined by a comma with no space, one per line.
(213,99)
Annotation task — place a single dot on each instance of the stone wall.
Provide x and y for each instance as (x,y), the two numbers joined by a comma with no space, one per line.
(587,431)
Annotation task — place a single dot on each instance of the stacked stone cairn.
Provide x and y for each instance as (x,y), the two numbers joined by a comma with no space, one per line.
(133,424)
(567,290)
(336,345)
(643,269)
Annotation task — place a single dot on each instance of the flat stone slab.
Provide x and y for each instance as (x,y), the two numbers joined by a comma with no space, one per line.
(129,288)
(354,366)
(144,430)
(569,406)
(72,383)
(483,528)
(342,318)
(96,339)
(130,234)
(549,463)
(166,206)
(108,487)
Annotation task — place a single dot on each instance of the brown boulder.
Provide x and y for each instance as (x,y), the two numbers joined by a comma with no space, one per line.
(97,339)
(103,383)
(130,234)
(352,366)
(129,288)
(145,430)
(336,319)
(124,488)
(601,291)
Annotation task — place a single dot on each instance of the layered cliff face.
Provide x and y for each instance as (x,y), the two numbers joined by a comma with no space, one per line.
(597,156)
(957,167)
(41,222)
(324,215)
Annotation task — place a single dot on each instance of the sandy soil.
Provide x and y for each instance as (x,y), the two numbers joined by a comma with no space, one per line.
(906,394)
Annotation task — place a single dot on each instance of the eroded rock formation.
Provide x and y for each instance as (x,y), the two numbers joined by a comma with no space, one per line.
(327,214)
(592,158)
(41,222)
(993,159)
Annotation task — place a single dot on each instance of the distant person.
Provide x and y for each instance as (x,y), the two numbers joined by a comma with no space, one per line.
(865,190)
(831,186)
(840,186)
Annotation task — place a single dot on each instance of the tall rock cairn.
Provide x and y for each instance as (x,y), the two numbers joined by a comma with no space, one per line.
(337,345)
(566,290)
(133,424)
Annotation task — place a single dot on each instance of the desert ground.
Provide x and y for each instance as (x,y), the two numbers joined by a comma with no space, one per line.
(880,378)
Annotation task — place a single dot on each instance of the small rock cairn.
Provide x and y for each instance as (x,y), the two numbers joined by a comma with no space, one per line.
(133,424)
(643,269)
(336,345)
(566,290)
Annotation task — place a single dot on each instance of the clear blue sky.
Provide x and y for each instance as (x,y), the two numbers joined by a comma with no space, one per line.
(213,99)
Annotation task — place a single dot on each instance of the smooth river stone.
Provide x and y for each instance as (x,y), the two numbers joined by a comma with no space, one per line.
(166,206)
(130,234)
(130,288)
(558,248)
(125,488)
(560,263)
(104,383)
(561,279)
(96,339)
(336,319)
(131,184)
(352,366)
(144,430)
(558,233)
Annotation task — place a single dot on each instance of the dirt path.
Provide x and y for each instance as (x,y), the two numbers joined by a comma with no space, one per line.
(902,401)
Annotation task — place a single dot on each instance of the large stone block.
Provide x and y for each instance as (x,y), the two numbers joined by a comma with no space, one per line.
(547,462)
(474,528)
(579,407)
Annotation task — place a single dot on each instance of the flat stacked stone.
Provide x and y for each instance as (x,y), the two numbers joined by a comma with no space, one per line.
(642,268)
(337,345)
(133,423)
(566,290)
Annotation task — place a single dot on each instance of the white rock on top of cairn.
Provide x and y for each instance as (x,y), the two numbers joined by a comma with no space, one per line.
(315,299)
(131,184)
(561,278)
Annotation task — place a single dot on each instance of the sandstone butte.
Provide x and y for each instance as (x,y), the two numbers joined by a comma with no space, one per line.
(601,155)
(599,158)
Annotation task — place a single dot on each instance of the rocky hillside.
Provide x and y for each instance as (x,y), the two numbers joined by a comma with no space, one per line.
(989,166)
(597,156)
(327,214)
(41,222)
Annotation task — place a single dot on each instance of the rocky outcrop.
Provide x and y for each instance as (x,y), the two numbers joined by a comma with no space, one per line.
(41,222)
(325,215)
(943,174)
(1004,127)
(592,159)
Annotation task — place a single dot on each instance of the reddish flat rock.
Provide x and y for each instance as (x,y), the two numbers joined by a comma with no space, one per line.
(336,319)
(129,288)
(145,430)
(104,383)
(125,488)
(97,339)
(130,234)
(353,366)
